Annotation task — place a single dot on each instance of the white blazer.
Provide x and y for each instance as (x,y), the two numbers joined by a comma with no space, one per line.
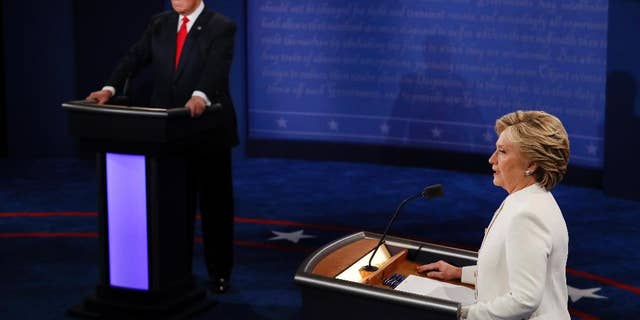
(520,273)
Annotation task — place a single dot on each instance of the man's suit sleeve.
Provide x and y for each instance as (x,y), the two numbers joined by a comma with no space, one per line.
(138,56)
(214,79)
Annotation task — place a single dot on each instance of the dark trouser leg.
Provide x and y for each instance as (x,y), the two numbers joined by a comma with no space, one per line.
(190,216)
(216,207)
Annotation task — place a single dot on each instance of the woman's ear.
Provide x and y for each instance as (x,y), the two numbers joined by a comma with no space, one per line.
(531,169)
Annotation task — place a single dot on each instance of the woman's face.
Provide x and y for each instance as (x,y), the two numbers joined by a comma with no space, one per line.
(509,165)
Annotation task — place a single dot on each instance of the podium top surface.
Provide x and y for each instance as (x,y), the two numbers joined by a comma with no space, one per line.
(318,271)
(84,106)
(354,246)
(133,129)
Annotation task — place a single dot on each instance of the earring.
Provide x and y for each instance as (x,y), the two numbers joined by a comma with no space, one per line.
(527,172)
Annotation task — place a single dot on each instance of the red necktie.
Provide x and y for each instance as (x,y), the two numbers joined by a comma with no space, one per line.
(182,35)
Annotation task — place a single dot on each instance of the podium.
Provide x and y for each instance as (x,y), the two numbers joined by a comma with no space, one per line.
(144,256)
(326,297)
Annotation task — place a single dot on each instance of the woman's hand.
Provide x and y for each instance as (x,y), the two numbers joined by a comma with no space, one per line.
(441,270)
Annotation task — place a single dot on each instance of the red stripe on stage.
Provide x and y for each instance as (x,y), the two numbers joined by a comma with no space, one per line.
(295,224)
(582,315)
(273,246)
(604,280)
(576,313)
(46,214)
(267,245)
(49,235)
(574,272)
(237,219)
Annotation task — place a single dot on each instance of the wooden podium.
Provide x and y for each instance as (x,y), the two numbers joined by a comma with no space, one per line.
(144,256)
(326,297)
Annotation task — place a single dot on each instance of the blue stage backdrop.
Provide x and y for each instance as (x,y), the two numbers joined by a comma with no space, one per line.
(425,74)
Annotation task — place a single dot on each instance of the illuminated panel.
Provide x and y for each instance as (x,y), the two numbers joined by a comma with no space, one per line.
(127,221)
(353,274)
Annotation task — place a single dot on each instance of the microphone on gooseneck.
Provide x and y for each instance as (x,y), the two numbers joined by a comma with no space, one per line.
(429,192)
(125,86)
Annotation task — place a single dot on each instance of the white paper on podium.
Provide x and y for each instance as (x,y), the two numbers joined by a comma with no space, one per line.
(437,289)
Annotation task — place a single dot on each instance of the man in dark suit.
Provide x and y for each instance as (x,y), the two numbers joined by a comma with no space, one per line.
(190,51)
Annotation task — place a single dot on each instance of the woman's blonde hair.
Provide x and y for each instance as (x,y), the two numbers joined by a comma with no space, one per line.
(542,139)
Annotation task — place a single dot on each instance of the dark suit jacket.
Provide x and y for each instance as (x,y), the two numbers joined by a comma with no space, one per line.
(204,65)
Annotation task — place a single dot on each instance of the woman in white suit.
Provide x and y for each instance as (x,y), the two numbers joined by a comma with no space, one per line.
(520,273)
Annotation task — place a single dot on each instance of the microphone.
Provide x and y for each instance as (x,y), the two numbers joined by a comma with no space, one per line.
(429,192)
(214,106)
(125,86)
(124,98)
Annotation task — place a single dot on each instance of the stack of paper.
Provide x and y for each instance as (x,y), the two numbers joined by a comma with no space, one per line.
(437,289)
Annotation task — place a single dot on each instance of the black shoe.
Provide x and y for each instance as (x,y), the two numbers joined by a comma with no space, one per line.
(218,285)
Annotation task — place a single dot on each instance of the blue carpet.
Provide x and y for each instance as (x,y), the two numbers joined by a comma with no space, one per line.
(55,266)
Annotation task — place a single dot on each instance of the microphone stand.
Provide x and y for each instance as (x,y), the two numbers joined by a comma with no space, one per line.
(428,192)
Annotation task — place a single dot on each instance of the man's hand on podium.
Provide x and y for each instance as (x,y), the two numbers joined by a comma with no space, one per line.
(99,97)
(196,106)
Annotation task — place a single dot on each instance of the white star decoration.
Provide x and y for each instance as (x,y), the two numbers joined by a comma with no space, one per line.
(333,125)
(576,294)
(488,136)
(282,123)
(294,236)
(592,149)
(384,128)
(436,132)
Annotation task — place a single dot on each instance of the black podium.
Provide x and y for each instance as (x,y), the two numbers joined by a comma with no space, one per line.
(145,270)
(326,296)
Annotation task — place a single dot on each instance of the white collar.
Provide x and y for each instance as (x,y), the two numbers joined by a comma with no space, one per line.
(193,16)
